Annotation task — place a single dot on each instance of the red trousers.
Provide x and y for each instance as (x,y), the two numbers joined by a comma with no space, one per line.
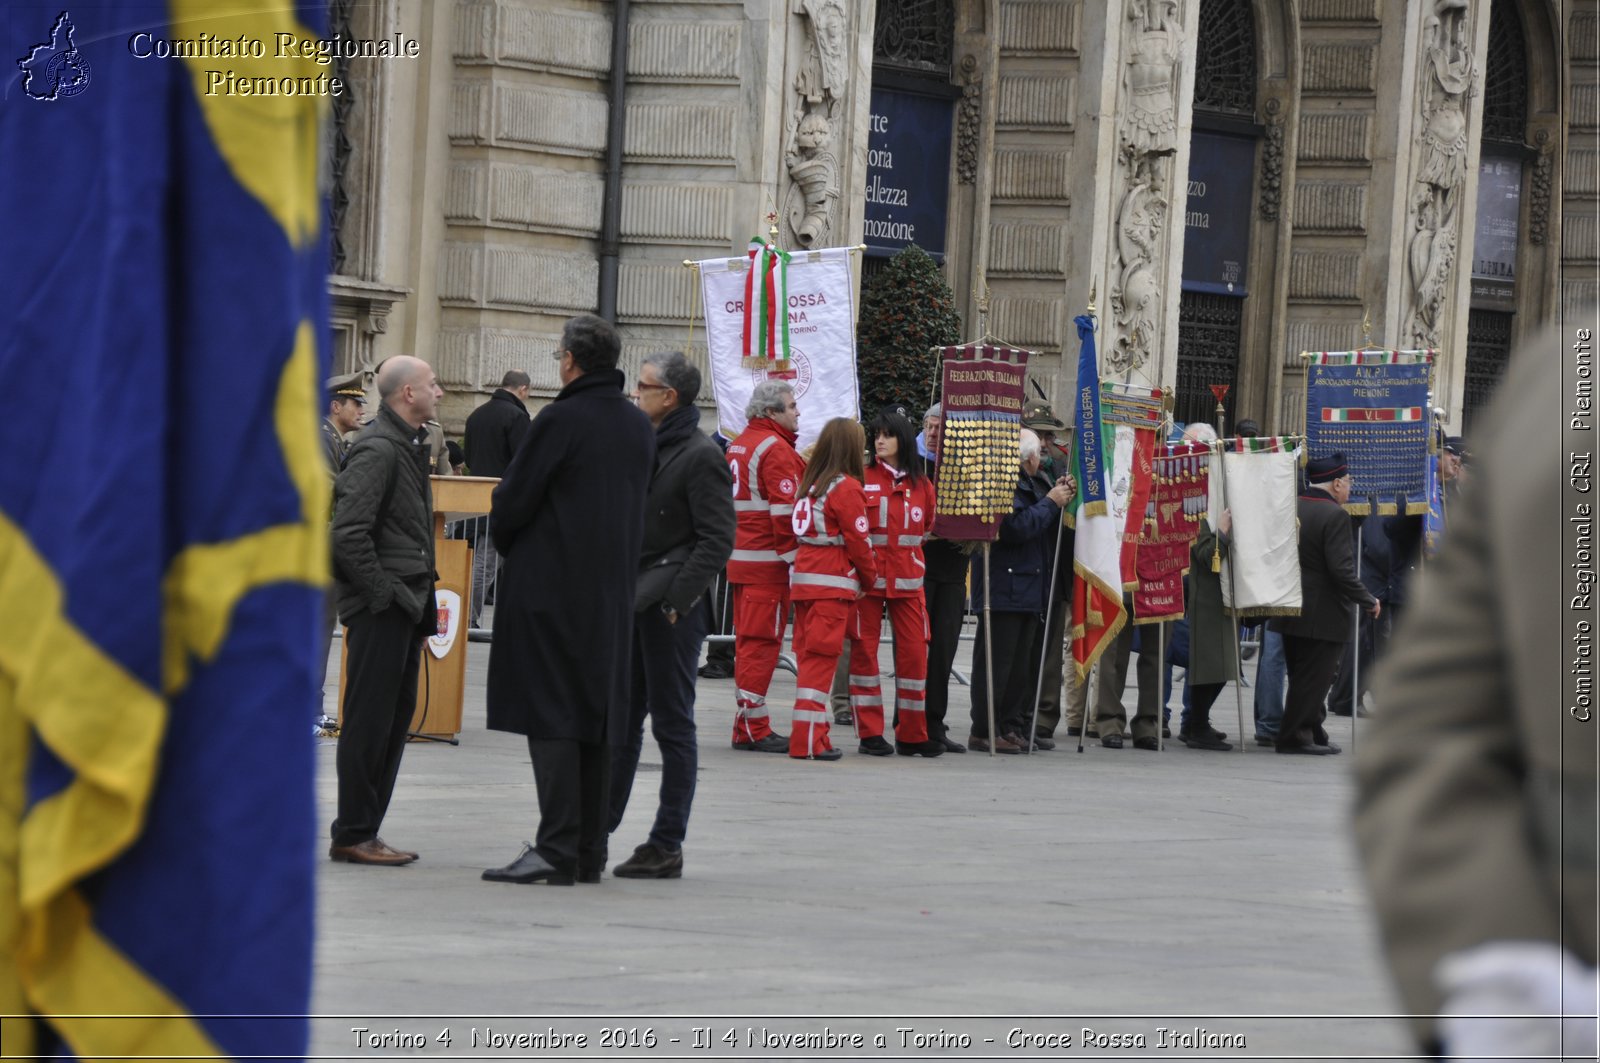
(819,625)
(760,611)
(909,618)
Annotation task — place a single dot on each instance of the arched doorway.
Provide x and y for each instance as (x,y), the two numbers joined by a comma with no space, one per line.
(1491,314)
(1216,274)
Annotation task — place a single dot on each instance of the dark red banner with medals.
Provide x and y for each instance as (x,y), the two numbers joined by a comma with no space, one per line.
(1178,499)
(977,468)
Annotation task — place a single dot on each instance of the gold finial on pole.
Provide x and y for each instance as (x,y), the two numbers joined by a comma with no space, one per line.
(1094,288)
(772,225)
(1366,327)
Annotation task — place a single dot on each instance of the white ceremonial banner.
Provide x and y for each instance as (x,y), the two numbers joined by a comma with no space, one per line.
(1261,491)
(822,340)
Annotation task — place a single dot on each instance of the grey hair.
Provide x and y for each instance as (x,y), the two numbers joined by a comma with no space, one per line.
(1199,432)
(678,373)
(936,410)
(1029,446)
(767,397)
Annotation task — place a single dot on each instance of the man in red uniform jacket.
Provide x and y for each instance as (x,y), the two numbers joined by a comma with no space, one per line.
(766,470)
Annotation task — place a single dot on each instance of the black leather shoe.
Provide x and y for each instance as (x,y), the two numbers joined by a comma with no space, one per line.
(952,746)
(715,670)
(1074,732)
(651,861)
(1332,748)
(875,746)
(826,754)
(773,743)
(1263,740)
(1206,741)
(1304,749)
(529,866)
(1044,742)
(844,717)
(1146,743)
(930,748)
(1112,741)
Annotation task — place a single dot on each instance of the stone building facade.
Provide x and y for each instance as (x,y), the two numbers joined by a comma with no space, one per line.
(1233,181)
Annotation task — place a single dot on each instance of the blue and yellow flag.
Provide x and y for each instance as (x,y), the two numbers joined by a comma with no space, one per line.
(162,515)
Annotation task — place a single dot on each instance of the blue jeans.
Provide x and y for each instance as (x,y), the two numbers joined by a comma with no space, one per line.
(1271,676)
(664,659)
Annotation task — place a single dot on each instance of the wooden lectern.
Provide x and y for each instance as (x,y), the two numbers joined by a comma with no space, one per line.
(441,681)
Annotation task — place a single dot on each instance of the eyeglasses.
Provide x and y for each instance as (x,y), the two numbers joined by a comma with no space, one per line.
(642,386)
(557,355)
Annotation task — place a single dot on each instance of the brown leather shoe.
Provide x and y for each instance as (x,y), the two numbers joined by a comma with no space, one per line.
(371,851)
(402,852)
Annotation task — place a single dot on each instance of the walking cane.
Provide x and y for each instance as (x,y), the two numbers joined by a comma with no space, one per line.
(988,652)
(1049,613)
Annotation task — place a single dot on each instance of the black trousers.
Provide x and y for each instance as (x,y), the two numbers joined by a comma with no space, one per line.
(664,659)
(1017,641)
(572,778)
(1372,640)
(1312,663)
(380,694)
(947,606)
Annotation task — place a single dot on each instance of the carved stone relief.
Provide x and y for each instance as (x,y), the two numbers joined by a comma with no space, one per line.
(1539,192)
(1147,139)
(1449,81)
(1272,162)
(811,159)
(969,120)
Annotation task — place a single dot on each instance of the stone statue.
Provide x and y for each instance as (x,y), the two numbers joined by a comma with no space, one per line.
(1150,81)
(1450,81)
(826,70)
(814,170)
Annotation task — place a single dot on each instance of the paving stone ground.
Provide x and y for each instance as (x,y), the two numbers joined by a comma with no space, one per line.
(1119,890)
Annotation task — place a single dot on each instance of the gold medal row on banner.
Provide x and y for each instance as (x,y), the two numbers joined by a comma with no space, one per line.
(979,468)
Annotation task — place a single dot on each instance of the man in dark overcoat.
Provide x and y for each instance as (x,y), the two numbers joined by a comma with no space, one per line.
(568,520)
(688,537)
(494,432)
(1314,641)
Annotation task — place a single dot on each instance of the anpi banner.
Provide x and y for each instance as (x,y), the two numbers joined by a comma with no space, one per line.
(822,341)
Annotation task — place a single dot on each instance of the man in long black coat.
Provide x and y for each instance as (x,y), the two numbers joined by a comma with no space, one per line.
(688,539)
(568,520)
(1314,641)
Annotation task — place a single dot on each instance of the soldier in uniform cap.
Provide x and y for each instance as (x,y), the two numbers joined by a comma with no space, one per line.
(347,398)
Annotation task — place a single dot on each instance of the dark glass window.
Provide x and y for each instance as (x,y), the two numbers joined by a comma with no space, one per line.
(1505,85)
(1225,59)
(915,35)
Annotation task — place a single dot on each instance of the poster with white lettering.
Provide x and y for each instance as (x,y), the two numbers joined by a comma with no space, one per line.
(815,288)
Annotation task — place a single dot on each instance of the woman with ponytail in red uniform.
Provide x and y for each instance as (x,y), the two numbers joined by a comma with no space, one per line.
(899,513)
(833,567)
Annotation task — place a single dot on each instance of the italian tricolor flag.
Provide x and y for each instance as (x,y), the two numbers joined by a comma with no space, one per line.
(1097,612)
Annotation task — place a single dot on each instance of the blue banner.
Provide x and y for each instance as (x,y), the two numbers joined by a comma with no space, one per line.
(1216,231)
(163,541)
(1373,407)
(1090,451)
(908,172)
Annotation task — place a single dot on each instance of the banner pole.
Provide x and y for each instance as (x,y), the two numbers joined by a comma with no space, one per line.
(988,652)
(1355,654)
(1049,613)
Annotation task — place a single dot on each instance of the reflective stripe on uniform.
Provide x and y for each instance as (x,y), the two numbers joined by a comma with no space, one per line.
(864,680)
(861,701)
(878,540)
(755,555)
(908,584)
(821,540)
(810,694)
(750,505)
(910,684)
(909,704)
(754,466)
(789,557)
(910,540)
(810,716)
(783,511)
(812,579)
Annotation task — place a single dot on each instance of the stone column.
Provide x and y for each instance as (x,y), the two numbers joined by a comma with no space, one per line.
(826,107)
(1143,263)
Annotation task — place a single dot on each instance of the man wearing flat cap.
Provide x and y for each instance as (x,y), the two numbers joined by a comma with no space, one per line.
(347,398)
(1313,642)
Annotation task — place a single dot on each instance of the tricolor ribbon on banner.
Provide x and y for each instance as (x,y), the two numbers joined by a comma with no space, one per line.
(1097,607)
(766,307)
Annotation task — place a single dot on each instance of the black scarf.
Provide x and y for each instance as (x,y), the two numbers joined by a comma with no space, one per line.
(677,426)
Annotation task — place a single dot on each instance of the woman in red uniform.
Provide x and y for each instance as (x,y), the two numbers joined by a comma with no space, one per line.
(832,568)
(899,514)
